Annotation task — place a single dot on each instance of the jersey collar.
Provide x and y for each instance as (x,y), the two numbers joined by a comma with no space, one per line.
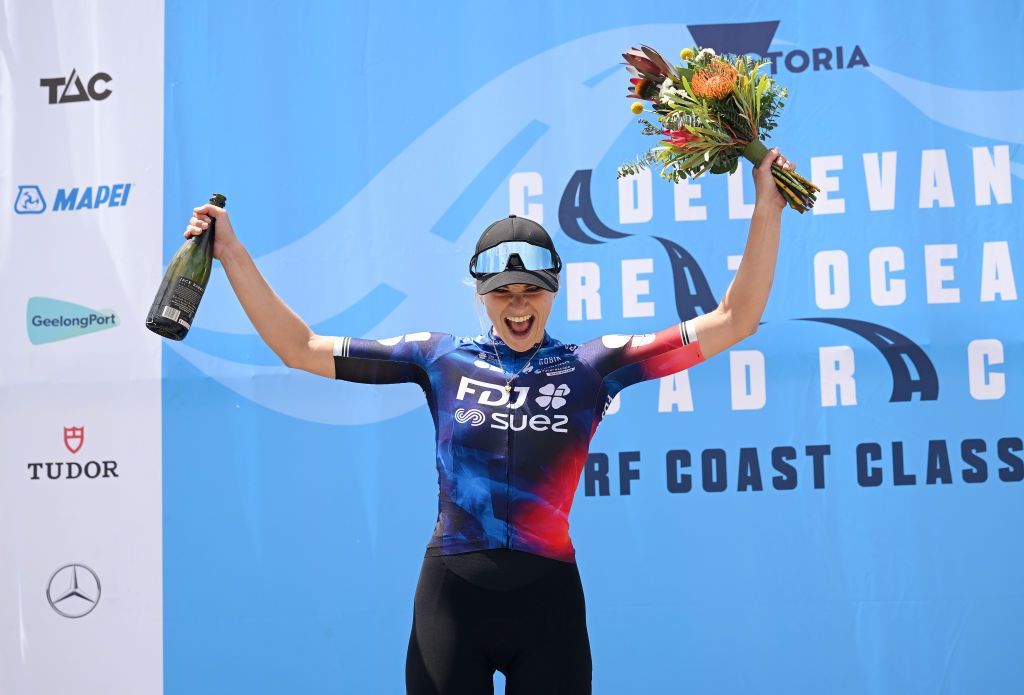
(494,339)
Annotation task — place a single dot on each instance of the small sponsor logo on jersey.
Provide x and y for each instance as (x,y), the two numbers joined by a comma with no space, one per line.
(472,416)
(552,397)
(68,90)
(537,423)
(493,395)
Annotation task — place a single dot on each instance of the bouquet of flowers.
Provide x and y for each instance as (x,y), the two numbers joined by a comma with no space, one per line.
(713,109)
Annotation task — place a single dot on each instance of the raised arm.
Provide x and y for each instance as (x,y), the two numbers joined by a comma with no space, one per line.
(280,327)
(739,313)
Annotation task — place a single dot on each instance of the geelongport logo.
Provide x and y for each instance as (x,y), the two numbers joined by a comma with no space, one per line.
(49,320)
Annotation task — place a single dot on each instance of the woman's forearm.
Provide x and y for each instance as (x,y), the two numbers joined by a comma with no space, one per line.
(747,295)
(280,327)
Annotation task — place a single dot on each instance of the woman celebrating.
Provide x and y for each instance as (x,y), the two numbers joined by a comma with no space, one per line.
(514,410)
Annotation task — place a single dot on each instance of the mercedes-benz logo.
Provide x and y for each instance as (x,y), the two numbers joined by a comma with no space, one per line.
(74,591)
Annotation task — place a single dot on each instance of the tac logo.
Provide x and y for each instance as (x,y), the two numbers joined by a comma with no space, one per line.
(94,90)
(30,199)
(74,437)
(552,397)
(756,37)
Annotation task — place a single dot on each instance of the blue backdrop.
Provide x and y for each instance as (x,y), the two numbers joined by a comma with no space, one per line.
(870,546)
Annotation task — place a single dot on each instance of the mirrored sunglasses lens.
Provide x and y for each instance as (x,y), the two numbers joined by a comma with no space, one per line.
(495,260)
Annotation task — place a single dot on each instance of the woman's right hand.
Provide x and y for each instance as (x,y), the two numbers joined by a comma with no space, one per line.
(200,222)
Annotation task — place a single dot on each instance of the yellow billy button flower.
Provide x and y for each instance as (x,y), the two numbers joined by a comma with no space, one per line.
(686,53)
(637,107)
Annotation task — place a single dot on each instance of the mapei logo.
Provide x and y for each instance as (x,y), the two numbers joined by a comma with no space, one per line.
(756,37)
(30,199)
(94,90)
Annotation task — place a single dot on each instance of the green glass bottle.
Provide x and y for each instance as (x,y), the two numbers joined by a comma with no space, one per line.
(176,302)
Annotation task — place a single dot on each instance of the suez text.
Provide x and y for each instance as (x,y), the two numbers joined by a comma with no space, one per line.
(756,469)
(495,396)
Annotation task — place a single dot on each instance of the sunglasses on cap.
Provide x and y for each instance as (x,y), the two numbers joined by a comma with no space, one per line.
(521,255)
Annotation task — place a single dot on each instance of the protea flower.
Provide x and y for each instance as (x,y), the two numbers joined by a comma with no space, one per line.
(644,88)
(647,62)
(715,81)
(679,138)
(711,112)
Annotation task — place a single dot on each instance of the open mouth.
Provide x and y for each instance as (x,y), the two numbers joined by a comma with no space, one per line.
(519,326)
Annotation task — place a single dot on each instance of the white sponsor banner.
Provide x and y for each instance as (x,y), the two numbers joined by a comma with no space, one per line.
(81,189)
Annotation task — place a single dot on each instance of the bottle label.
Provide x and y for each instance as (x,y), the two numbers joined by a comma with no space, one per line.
(184,301)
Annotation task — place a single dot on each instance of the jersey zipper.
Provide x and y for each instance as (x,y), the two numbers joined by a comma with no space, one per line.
(508,486)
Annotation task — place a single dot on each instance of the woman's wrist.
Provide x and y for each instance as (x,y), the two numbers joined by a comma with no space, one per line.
(232,252)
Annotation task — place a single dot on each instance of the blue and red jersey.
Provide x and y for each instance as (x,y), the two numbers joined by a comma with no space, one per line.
(509,459)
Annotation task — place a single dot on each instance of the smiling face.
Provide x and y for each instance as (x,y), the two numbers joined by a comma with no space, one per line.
(519,313)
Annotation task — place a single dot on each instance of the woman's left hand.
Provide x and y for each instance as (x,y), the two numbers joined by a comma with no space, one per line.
(767,191)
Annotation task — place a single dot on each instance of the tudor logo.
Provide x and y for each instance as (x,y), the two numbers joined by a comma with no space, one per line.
(73,591)
(74,437)
(74,440)
(552,397)
(472,416)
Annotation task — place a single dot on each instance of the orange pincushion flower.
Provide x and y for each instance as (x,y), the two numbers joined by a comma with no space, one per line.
(715,81)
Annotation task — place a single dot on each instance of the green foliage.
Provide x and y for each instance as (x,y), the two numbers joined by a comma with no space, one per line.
(711,134)
(642,162)
(722,127)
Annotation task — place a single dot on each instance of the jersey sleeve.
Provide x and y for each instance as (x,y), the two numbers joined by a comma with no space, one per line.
(629,359)
(405,358)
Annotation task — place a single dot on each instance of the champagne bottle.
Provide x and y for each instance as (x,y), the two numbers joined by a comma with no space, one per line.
(176,302)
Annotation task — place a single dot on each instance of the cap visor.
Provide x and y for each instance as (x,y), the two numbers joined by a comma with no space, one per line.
(544,279)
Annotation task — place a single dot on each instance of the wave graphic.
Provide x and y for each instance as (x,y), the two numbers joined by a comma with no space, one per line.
(366,246)
(991,114)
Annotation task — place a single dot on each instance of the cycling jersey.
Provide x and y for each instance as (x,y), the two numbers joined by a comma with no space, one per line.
(509,460)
